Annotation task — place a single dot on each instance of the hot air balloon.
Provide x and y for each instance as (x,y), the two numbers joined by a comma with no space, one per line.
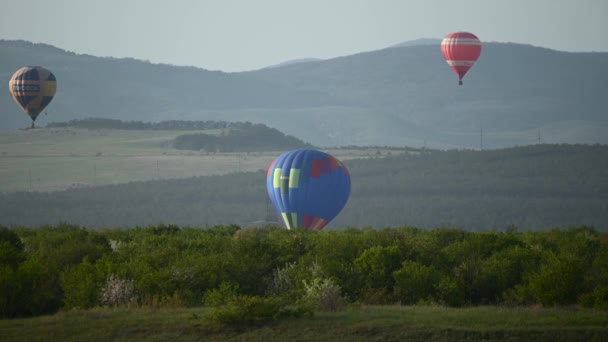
(461,50)
(308,188)
(33,87)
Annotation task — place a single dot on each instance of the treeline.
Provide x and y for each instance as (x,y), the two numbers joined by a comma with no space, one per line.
(185,125)
(538,187)
(63,267)
(247,138)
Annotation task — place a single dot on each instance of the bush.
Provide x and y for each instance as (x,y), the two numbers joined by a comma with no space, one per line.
(558,281)
(226,293)
(450,292)
(80,286)
(378,264)
(415,282)
(519,295)
(116,291)
(322,294)
(281,283)
(598,299)
(244,311)
(502,271)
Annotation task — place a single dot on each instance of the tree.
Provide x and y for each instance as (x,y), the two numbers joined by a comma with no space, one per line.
(80,285)
(416,282)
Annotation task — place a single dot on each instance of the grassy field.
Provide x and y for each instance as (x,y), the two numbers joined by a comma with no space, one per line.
(367,323)
(55,159)
(59,158)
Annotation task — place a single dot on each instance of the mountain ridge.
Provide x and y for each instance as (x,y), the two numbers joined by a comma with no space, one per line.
(394,96)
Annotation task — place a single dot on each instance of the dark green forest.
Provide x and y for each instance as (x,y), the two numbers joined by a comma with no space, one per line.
(232,137)
(276,270)
(538,187)
(251,138)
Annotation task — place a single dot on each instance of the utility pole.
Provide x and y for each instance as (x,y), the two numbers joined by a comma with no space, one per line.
(480,138)
(30,178)
(94,174)
(157,170)
(539,135)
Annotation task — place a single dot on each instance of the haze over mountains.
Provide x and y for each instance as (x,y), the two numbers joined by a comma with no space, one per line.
(403,95)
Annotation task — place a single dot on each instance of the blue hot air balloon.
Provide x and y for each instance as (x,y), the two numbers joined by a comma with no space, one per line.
(308,188)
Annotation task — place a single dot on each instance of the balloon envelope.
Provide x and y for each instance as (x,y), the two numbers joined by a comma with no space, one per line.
(308,188)
(33,87)
(461,50)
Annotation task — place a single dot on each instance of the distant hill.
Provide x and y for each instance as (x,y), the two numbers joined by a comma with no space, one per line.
(419,41)
(240,138)
(294,61)
(515,95)
(233,137)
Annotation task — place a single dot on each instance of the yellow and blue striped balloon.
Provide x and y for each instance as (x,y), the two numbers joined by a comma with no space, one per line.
(33,88)
(308,188)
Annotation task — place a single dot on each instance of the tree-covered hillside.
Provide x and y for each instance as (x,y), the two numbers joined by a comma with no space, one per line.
(232,136)
(535,187)
(250,138)
(396,96)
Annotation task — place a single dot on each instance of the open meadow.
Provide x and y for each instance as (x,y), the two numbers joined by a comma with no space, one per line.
(366,323)
(57,159)
(50,159)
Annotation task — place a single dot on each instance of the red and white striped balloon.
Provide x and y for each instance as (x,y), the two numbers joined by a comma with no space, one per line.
(461,50)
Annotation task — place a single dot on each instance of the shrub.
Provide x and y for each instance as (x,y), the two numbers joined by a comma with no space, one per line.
(116,291)
(519,295)
(598,299)
(80,286)
(502,271)
(558,281)
(322,294)
(415,282)
(281,283)
(450,292)
(226,293)
(377,265)
(243,311)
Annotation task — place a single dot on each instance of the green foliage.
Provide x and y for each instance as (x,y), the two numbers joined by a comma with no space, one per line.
(598,299)
(377,265)
(166,266)
(503,270)
(451,292)
(415,282)
(81,285)
(65,245)
(246,138)
(38,289)
(11,248)
(558,282)
(10,292)
(226,293)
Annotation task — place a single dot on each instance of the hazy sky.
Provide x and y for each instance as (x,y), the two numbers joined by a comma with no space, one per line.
(235,35)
